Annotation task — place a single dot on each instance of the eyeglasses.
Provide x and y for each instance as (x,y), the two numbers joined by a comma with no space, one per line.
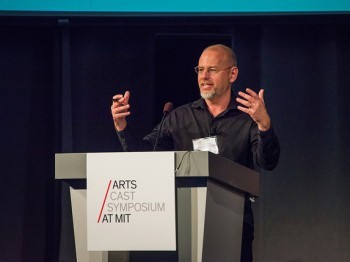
(211,70)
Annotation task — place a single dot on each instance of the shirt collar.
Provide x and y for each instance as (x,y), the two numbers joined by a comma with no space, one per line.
(200,103)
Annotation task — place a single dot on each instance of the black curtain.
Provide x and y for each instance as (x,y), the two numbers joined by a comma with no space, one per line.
(27,143)
(305,69)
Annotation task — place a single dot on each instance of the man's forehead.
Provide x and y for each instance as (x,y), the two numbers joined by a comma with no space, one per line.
(211,58)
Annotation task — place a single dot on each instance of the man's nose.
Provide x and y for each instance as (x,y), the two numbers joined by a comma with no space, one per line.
(206,73)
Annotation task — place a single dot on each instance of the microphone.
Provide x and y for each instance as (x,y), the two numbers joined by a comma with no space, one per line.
(168,107)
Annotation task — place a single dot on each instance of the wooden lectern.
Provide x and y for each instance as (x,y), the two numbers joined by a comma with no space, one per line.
(210,195)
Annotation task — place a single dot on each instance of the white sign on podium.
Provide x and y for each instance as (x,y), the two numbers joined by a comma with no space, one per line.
(131,204)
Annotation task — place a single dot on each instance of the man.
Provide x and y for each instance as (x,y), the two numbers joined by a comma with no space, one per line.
(237,128)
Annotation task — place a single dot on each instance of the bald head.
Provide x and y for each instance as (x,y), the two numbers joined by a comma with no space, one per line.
(228,56)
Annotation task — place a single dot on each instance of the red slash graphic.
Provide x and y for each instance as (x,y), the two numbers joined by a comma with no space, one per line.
(104,201)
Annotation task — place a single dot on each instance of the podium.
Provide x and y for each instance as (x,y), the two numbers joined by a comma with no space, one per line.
(210,196)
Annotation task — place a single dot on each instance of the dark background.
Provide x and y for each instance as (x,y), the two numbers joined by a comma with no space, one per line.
(57,78)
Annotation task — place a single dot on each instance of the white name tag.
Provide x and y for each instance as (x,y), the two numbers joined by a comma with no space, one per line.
(206,144)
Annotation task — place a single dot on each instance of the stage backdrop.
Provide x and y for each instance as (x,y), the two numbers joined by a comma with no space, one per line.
(57,79)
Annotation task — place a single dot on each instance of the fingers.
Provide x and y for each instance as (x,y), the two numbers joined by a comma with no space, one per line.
(244,109)
(261,95)
(126,97)
(251,93)
(247,99)
(120,107)
(121,110)
(244,102)
(121,100)
(116,98)
(250,98)
(253,104)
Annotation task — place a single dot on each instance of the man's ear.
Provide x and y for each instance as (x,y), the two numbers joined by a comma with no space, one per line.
(234,74)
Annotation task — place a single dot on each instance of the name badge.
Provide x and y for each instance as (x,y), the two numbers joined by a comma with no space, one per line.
(206,144)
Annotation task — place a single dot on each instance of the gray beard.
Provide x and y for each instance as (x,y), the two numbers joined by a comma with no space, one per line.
(209,95)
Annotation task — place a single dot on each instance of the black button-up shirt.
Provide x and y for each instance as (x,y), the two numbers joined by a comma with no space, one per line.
(238,136)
